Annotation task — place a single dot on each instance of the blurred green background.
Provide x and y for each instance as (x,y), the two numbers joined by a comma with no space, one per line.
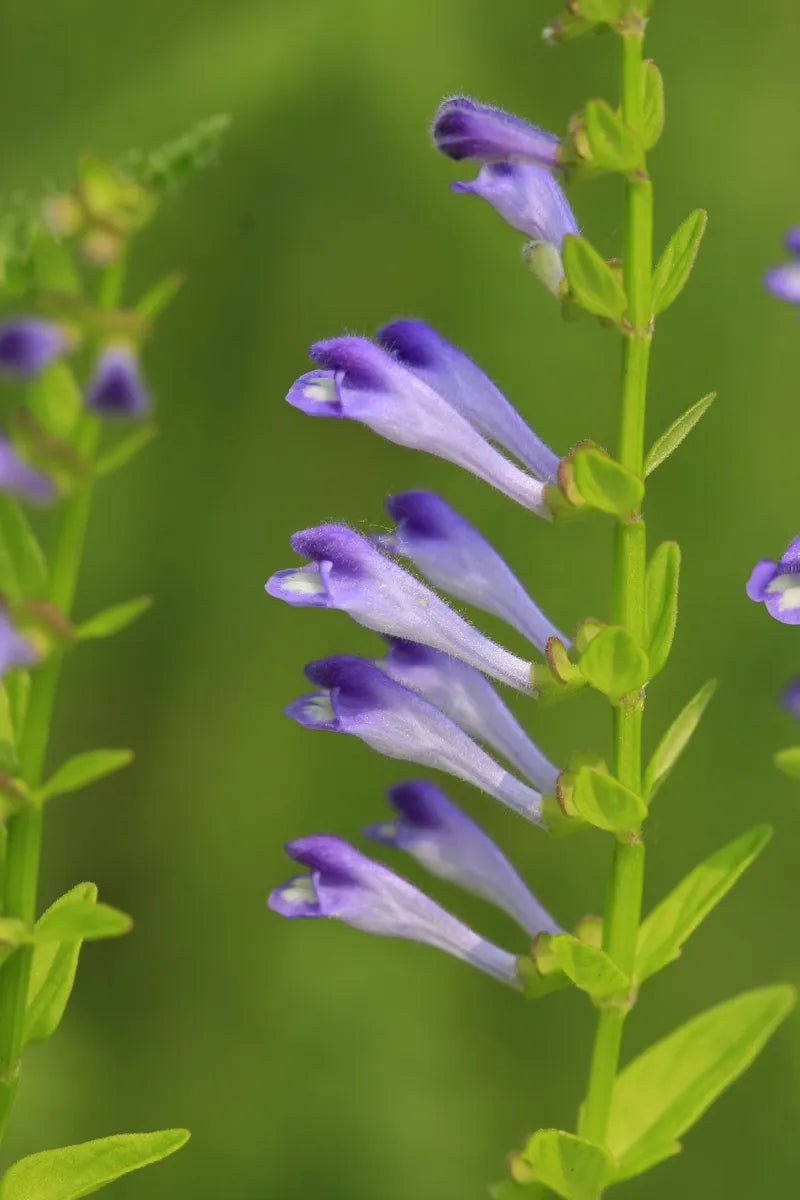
(309,1060)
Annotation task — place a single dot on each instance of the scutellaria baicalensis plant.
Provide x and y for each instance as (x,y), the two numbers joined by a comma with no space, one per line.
(432,698)
(70,345)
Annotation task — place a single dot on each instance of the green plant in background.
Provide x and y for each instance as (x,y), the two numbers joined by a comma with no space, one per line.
(429,700)
(63,263)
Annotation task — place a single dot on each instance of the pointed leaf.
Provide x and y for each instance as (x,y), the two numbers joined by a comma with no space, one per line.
(678,430)
(676,739)
(113,620)
(612,144)
(591,280)
(53,973)
(675,265)
(570,1166)
(653,104)
(607,485)
(603,801)
(662,603)
(76,1171)
(121,453)
(788,761)
(23,570)
(55,399)
(588,967)
(159,297)
(76,919)
(677,916)
(664,1091)
(83,769)
(614,664)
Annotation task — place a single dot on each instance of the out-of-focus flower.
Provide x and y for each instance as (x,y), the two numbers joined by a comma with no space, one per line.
(116,388)
(28,345)
(15,650)
(22,480)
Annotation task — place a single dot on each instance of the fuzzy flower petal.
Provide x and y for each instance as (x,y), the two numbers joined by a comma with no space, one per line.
(345,885)
(777,585)
(792,240)
(527,197)
(463,128)
(116,387)
(28,345)
(356,697)
(348,573)
(455,377)
(362,382)
(783,282)
(790,698)
(15,650)
(21,480)
(451,846)
(451,553)
(467,697)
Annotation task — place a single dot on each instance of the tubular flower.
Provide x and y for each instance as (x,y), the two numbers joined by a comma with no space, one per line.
(777,584)
(363,382)
(463,128)
(347,886)
(358,698)
(451,846)
(466,697)
(458,380)
(15,650)
(349,574)
(451,553)
(116,388)
(22,480)
(28,345)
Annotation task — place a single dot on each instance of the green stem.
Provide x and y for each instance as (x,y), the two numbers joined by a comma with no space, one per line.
(624,899)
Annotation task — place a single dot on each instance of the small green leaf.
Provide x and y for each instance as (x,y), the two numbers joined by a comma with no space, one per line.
(55,399)
(589,968)
(121,453)
(113,620)
(652,105)
(159,297)
(53,973)
(678,430)
(788,761)
(662,603)
(76,1171)
(612,144)
(605,484)
(677,916)
(23,569)
(591,280)
(675,740)
(675,265)
(664,1091)
(81,919)
(604,802)
(83,769)
(614,664)
(570,1166)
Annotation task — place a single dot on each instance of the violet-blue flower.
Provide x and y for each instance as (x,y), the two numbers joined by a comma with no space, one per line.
(22,480)
(455,557)
(347,886)
(783,282)
(358,698)
(461,382)
(790,698)
(467,697)
(450,845)
(363,382)
(15,649)
(348,573)
(777,584)
(28,345)
(463,128)
(116,387)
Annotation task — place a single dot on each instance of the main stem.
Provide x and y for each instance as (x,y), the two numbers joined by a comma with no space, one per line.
(624,899)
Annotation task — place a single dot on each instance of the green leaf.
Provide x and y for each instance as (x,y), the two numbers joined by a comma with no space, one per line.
(677,916)
(23,569)
(600,11)
(591,280)
(53,972)
(788,761)
(675,265)
(664,1091)
(113,620)
(662,603)
(588,967)
(678,430)
(570,1166)
(676,739)
(652,104)
(121,453)
(614,663)
(613,145)
(76,1171)
(159,297)
(170,165)
(605,484)
(55,399)
(604,802)
(83,769)
(81,919)
(53,266)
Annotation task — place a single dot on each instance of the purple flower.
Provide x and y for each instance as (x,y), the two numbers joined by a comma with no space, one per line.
(22,480)
(466,697)
(27,345)
(116,387)
(349,887)
(15,650)
(777,584)
(790,698)
(362,382)
(463,128)
(456,558)
(783,282)
(349,574)
(792,240)
(459,381)
(356,697)
(451,846)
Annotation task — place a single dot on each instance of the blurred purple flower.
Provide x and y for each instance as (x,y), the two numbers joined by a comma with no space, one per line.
(116,388)
(15,650)
(28,345)
(777,584)
(22,480)
(790,698)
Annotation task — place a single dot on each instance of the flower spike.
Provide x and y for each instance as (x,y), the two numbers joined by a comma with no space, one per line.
(348,573)
(463,128)
(22,480)
(28,345)
(347,886)
(356,697)
(15,650)
(362,382)
(777,584)
(455,377)
(456,558)
(451,846)
(466,697)
(116,388)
